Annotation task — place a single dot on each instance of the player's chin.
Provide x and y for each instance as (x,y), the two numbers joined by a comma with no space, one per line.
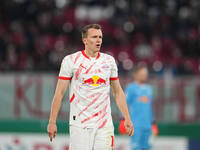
(97,49)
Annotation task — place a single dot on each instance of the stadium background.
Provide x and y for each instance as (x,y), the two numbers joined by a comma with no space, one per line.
(36,34)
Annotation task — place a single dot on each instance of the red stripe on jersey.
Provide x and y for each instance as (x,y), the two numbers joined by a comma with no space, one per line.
(87,71)
(72,98)
(114,78)
(94,100)
(96,114)
(90,117)
(112,142)
(102,101)
(104,113)
(70,56)
(78,72)
(64,78)
(77,57)
(78,101)
(102,117)
(103,124)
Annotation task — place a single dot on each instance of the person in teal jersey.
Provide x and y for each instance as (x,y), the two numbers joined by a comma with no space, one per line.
(139,96)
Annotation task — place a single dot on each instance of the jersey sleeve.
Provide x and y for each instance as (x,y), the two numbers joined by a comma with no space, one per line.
(65,69)
(114,70)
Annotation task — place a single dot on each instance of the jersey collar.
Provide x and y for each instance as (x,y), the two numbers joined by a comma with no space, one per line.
(84,54)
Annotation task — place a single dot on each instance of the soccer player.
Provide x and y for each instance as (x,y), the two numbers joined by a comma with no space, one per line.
(139,96)
(89,75)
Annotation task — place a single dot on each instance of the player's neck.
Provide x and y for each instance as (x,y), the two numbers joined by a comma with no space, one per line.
(91,53)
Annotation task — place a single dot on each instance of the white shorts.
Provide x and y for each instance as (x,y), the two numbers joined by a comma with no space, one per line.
(91,139)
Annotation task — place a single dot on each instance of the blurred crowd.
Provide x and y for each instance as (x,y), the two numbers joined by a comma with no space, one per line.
(164,34)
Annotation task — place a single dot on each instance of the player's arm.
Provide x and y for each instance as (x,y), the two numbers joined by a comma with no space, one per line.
(128,94)
(55,107)
(155,129)
(121,103)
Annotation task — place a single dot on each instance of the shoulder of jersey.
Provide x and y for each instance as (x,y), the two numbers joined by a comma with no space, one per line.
(76,53)
(149,86)
(131,85)
(73,55)
(107,56)
(103,55)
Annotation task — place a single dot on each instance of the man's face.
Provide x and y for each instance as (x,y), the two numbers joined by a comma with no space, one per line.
(93,40)
(142,75)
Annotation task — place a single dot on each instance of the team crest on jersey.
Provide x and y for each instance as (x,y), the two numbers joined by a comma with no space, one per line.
(94,81)
(144,99)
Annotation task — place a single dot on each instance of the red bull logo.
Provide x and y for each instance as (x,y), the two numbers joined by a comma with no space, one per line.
(95,81)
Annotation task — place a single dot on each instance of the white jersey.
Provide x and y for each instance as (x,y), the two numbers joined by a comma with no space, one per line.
(89,88)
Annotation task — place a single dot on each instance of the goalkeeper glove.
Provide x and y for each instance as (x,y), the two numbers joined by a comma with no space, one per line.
(121,127)
(155,129)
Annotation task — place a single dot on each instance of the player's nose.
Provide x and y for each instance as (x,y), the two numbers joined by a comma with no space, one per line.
(99,40)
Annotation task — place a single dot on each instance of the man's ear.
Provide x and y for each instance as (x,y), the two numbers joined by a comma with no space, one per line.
(84,41)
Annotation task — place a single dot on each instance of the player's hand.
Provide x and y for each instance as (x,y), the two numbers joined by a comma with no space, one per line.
(52,130)
(129,127)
